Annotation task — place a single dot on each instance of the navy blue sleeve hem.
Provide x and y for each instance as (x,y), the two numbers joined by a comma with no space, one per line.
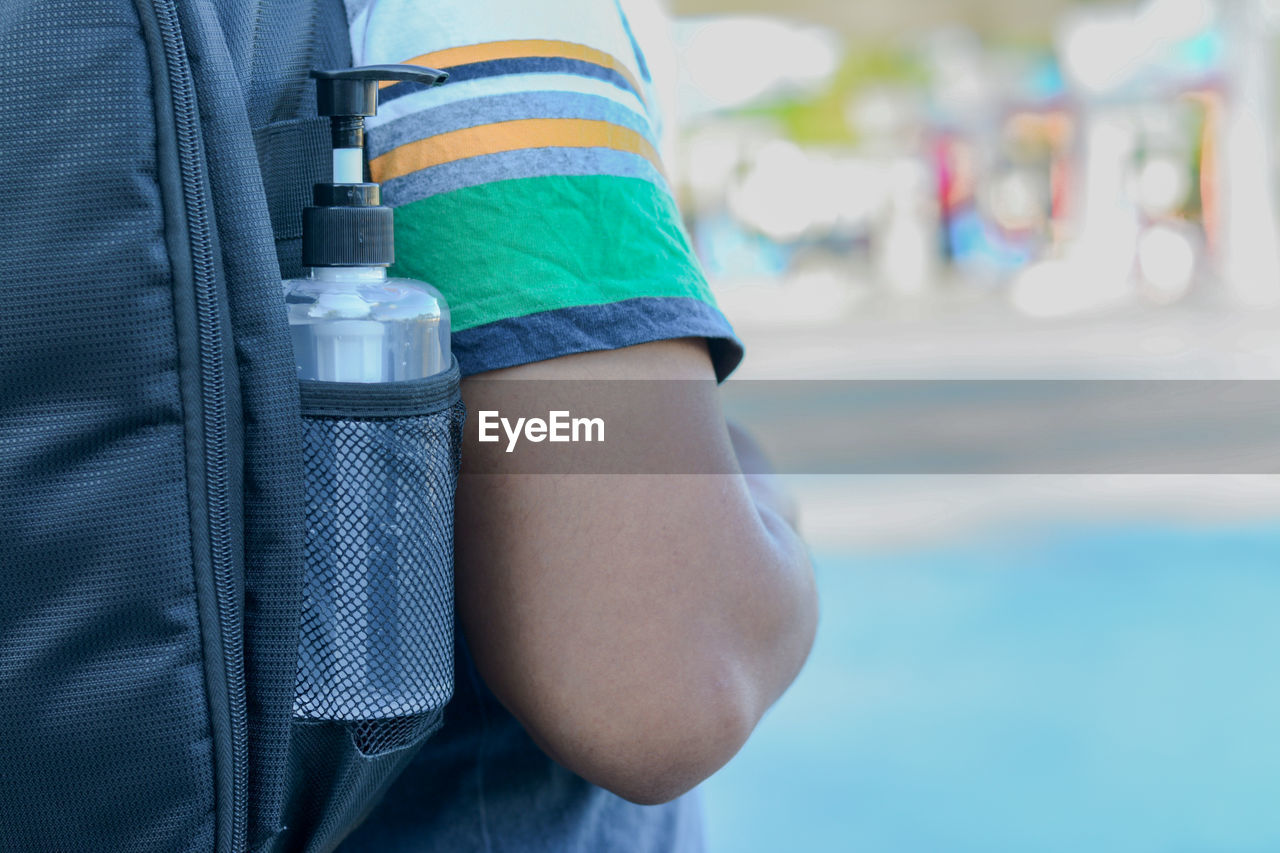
(592,328)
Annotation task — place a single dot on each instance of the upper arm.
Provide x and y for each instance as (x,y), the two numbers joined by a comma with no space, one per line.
(615,615)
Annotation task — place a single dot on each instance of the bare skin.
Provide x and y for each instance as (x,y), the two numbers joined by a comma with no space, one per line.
(638,626)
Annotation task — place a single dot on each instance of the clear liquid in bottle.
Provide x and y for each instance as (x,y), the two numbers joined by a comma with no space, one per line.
(354,324)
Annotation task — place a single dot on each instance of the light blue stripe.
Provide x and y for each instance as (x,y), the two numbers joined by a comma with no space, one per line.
(497,108)
(511,165)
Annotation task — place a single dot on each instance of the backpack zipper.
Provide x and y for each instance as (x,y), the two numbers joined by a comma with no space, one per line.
(213,393)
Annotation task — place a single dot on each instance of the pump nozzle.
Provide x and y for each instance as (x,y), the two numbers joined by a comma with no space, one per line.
(347,226)
(347,96)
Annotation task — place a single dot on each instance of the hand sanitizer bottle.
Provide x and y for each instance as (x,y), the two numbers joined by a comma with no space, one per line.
(349,321)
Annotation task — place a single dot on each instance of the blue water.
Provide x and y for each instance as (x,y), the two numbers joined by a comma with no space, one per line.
(1090,689)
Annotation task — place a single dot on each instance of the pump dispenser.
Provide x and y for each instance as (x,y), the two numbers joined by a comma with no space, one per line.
(349,321)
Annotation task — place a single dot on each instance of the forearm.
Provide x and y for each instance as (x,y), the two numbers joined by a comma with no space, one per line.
(778,620)
(762,480)
(795,596)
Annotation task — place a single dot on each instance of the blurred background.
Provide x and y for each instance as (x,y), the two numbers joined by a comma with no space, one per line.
(988,189)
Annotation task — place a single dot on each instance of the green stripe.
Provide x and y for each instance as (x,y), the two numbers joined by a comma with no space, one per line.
(518,247)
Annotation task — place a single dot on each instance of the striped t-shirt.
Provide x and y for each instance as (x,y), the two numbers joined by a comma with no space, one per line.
(529,188)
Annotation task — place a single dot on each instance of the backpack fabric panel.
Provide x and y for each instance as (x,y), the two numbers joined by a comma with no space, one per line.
(103,700)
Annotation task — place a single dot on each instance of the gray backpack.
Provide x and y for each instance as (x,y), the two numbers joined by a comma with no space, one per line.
(227,616)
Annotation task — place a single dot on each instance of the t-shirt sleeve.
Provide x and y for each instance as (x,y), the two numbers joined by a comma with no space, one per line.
(529,188)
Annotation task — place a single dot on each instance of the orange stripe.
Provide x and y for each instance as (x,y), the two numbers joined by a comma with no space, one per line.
(521,49)
(509,136)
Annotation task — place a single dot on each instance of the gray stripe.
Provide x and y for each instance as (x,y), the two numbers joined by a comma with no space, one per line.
(511,165)
(477,112)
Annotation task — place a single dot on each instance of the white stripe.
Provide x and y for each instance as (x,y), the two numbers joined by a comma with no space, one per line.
(385,31)
(453,92)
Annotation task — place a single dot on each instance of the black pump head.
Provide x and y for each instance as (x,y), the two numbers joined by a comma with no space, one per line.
(347,226)
(354,91)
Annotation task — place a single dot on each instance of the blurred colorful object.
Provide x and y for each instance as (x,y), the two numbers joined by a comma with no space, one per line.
(1116,165)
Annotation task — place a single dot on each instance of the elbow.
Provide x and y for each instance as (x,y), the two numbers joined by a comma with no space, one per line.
(658,742)
(677,760)
(658,725)
(653,748)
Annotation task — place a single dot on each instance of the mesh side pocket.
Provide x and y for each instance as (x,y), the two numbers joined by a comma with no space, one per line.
(376,648)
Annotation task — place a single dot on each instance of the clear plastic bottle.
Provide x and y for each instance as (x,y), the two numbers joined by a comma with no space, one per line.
(354,324)
(381,473)
(349,322)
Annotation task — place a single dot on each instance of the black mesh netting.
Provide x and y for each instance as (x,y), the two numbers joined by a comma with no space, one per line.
(376,648)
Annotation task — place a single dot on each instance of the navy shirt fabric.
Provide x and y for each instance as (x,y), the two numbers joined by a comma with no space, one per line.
(481,784)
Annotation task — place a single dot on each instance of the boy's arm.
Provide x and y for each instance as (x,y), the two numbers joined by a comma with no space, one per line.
(637,625)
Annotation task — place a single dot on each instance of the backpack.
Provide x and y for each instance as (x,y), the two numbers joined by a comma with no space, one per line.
(207,639)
